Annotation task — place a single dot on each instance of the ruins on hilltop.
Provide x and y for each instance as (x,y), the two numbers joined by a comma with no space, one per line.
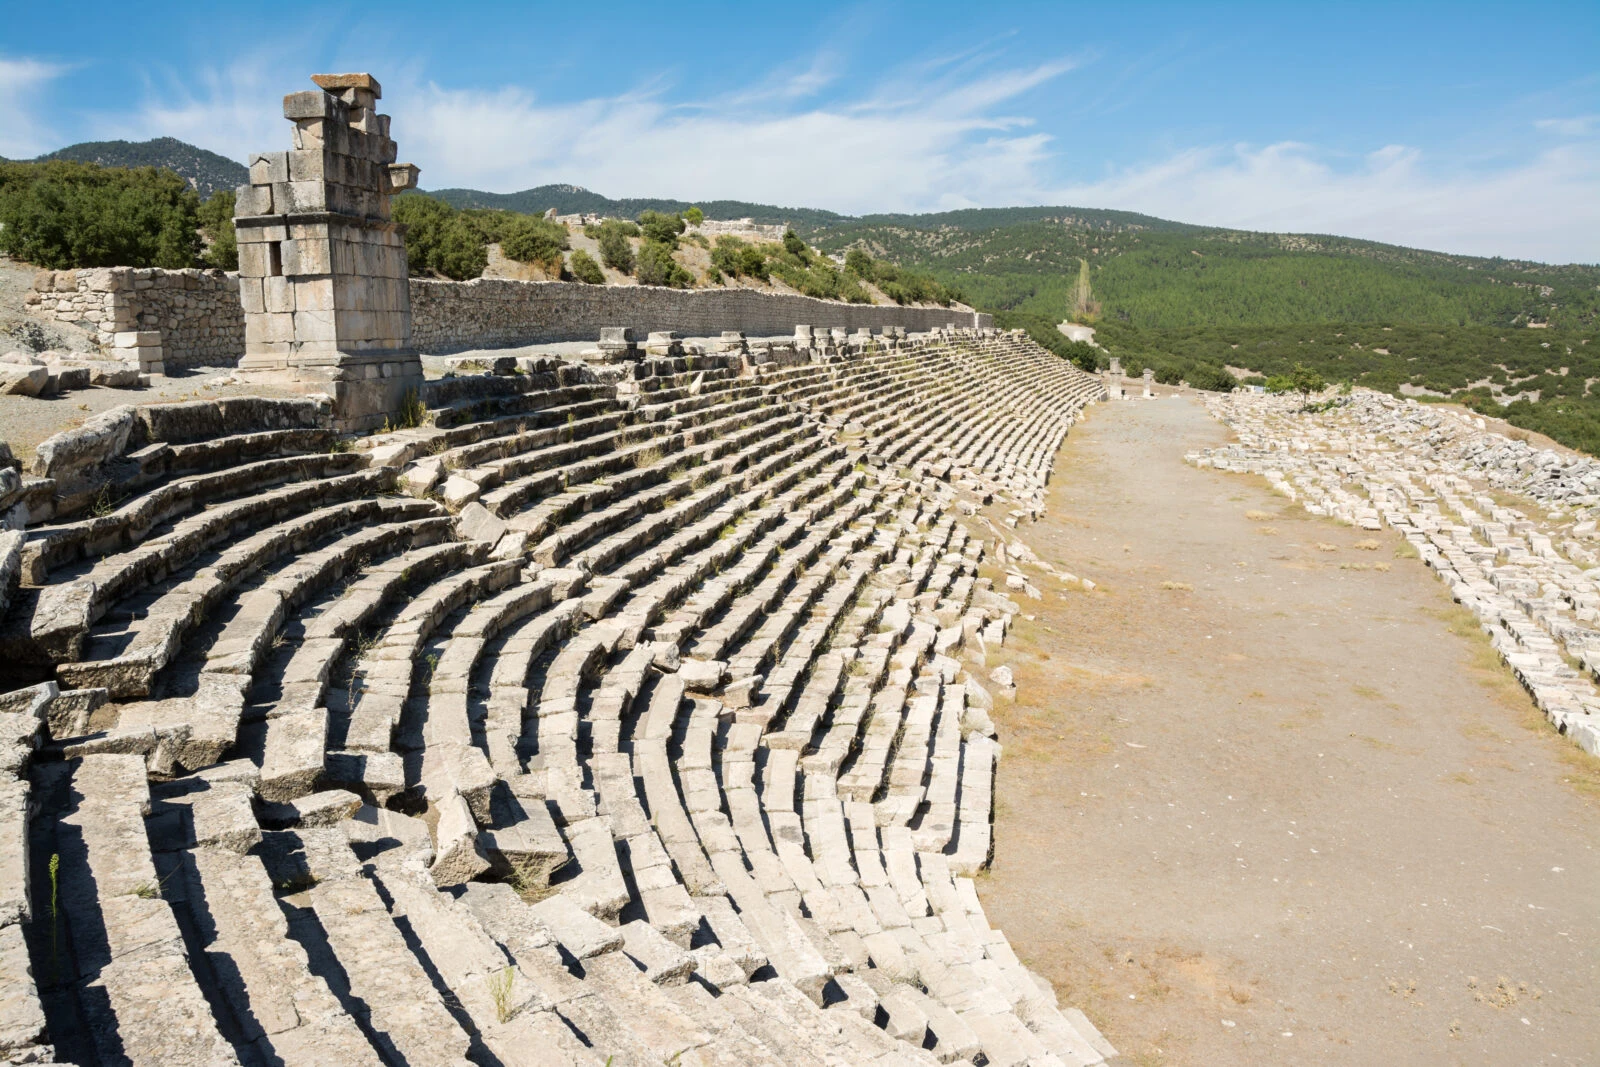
(619,710)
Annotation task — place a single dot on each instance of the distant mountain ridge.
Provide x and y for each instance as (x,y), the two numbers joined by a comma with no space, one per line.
(1145,271)
(205,171)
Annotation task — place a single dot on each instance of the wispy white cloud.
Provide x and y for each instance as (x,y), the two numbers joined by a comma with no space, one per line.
(932,133)
(1576,126)
(233,110)
(889,148)
(23,133)
(1547,208)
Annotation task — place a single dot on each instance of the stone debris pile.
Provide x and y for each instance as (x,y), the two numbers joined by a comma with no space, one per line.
(1441,479)
(614,714)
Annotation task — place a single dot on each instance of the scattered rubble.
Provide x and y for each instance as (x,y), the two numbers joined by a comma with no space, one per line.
(1431,473)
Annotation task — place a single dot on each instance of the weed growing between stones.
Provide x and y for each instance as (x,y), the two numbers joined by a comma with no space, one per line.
(103,504)
(55,911)
(151,890)
(412,414)
(500,992)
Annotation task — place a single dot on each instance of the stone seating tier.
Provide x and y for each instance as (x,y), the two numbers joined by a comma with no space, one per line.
(621,721)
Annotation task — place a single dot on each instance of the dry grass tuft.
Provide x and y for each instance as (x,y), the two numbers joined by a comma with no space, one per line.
(1268,530)
(1323,546)
(1258,516)
(1183,587)
(1368,545)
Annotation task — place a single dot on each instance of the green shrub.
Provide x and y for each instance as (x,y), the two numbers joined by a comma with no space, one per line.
(64,215)
(752,263)
(694,216)
(441,239)
(585,269)
(812,274)
(734,256)
(725,255)
(657,267)
(616,251)
(898,284)
(661,228)
(530,239)
(1207,376)
(216,223)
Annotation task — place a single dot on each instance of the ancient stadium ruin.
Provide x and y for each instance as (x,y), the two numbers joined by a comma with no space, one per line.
(623,709)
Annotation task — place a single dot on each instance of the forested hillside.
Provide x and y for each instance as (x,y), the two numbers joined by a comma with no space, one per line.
(1199,304)
(1212,307)
(1149,273)
(206,172)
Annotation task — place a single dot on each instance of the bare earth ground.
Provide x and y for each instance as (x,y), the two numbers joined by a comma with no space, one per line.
(1297,815)
(26,420)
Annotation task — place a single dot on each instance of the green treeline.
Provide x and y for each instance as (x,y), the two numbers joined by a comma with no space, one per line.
(61,215)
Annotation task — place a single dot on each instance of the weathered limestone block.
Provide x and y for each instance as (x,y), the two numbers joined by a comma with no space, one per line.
(98,440)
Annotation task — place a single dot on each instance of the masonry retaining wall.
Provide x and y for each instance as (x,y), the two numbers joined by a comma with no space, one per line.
(196,312)
(200,321)
(489,313)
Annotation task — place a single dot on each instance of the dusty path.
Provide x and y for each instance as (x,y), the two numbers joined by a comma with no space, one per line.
(1295,815)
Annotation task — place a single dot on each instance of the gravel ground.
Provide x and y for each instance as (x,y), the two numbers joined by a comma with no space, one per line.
(1260,807)
(26,420)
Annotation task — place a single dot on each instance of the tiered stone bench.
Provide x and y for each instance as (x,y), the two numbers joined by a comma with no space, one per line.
(612,716)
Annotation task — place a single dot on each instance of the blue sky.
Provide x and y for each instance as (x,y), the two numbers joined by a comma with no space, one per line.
(1464,127)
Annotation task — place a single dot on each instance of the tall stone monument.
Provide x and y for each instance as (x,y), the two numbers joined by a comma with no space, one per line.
(322,265)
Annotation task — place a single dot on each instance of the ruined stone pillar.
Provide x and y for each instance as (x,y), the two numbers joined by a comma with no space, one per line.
(322,266)
(1149,380)
(1114,380)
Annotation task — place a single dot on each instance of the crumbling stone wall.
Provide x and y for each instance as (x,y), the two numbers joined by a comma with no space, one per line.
(195,314)
(488,313)
(198,320)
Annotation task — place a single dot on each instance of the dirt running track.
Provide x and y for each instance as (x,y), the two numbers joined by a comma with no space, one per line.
(1295,815)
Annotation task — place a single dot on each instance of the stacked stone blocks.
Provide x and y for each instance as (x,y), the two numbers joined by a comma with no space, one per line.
(322,265)
(157,317)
